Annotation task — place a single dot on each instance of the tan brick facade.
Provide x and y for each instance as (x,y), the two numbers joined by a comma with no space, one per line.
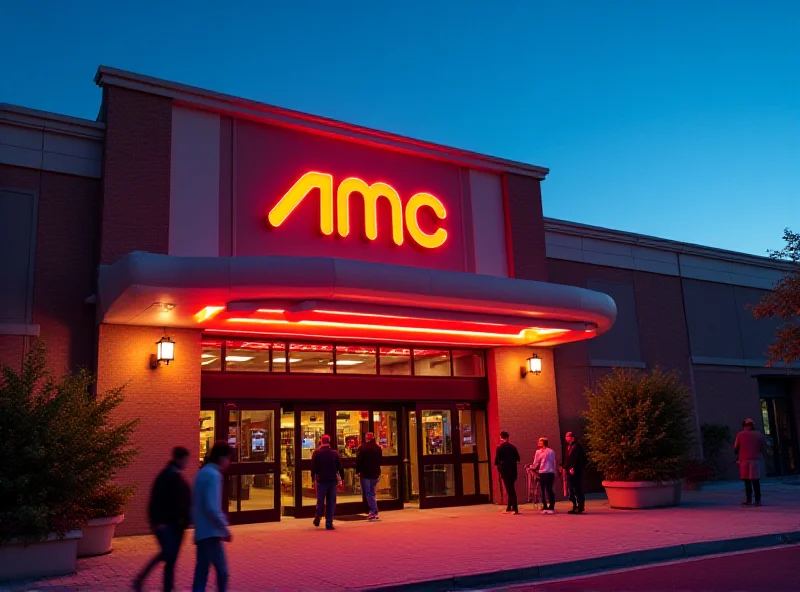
(166,401)
(525,407)
(136,173)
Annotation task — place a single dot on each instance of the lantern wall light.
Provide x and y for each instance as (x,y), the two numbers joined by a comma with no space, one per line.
(165,349)
(533,365)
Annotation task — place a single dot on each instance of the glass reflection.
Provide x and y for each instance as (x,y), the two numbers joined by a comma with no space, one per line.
(436,432)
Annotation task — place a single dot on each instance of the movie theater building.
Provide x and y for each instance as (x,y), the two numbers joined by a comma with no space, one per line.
(263,276)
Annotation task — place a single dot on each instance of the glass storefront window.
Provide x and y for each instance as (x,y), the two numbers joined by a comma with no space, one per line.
(247,356)
(318,358)
(395,361)
(483,478)
(468,363)
(356,359)
(468,478)
(307,492)
(388,485)
(351,427)
(233,434)
(439,480)
(279,357)
(467,431)
(350,489)
(211,355)
(412,472)
(310,358)
(436,432)
(385,423)
(232,483)
(287,457)
(257,492)
(312,427)
(256,441)
(431,362)
(481,443)
(207,437)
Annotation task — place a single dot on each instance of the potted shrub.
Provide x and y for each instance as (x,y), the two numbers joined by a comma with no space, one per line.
(716,439)
(52,428)
(695,475)
(105,511)
(108,450)
(639,436)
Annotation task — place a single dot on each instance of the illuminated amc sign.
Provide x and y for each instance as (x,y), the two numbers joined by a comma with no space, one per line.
(370,193)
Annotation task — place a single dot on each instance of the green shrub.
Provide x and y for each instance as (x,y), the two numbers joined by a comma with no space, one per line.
(716,438)
(638,426)
(59,450)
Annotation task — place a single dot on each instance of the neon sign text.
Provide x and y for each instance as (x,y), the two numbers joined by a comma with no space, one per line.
(370,194)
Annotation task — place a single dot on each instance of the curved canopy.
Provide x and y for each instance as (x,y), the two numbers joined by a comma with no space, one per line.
(343,299)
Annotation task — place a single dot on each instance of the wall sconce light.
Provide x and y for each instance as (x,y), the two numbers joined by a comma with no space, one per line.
(533,365)
(166,352)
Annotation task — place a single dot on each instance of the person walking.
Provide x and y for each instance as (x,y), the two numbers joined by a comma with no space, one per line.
(506,458)
(168,513)
(210,522)
(749,447)
(574,464)
(326,473)
(368,468)
(544,461)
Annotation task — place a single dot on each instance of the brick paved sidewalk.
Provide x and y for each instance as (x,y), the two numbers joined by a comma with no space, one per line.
(414,546)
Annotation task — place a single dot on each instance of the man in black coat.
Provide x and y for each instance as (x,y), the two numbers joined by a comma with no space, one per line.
(506,458)
(326,473)
(169,514)
(368,468)
(574,464)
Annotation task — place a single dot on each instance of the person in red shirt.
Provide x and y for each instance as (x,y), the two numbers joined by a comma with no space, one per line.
(749,446)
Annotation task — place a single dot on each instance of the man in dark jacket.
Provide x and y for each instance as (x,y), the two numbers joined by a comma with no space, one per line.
(574,464)
(506,458)
(368,468)
(170,502)
(326,472)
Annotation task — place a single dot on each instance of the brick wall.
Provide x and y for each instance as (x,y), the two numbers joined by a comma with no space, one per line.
(65,269)
(136,173)
(166,401)
(525,224)
(525,407)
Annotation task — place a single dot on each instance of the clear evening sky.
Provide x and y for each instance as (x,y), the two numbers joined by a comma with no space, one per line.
(677,119)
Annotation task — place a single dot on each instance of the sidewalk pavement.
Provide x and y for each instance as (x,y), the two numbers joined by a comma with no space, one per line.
(446,545)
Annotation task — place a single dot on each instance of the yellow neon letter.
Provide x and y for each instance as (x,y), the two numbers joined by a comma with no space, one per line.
(420,200)
(297,193)
(370,193)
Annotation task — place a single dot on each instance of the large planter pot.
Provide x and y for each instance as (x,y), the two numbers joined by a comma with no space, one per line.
(50,557)
(637,495)
(97,536)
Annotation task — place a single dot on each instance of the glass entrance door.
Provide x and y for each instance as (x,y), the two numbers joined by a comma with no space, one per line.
(781,453)
(452,464)
(251,483)
(347,425)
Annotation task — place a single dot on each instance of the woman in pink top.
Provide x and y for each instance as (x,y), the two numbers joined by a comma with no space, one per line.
(749,446)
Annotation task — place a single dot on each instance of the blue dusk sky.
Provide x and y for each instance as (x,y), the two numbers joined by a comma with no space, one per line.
(677,119)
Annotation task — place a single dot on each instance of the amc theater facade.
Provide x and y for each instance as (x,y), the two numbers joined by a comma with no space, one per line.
(264,277)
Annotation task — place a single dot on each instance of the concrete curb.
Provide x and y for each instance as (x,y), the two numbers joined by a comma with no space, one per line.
(595,564)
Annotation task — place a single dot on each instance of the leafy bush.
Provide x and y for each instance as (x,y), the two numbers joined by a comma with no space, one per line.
(638,426)
(59,451)
(716,438)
